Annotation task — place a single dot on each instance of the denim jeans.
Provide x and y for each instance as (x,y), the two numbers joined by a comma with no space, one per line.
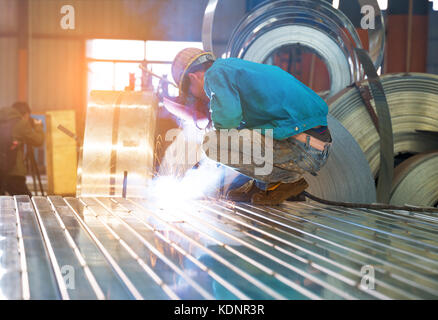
(290,161)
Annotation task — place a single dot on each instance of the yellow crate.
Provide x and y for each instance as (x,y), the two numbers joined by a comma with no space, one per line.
(61,152)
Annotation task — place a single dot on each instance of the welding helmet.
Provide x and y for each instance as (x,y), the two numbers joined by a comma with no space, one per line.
(186,60)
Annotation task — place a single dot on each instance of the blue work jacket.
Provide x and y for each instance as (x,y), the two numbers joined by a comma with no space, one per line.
(250,95)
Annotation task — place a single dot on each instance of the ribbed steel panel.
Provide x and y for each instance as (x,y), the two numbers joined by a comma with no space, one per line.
(133,249)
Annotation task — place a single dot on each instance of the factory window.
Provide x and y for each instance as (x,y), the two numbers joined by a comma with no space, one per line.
(115,64)
(104,49)
(159,57)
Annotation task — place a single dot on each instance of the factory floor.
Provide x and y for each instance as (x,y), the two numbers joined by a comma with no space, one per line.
(140,249)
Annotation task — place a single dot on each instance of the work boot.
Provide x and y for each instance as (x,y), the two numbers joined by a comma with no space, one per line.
(243,193)
(299,198)
(280,194)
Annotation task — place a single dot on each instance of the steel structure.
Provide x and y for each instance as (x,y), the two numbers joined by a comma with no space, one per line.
(115,248)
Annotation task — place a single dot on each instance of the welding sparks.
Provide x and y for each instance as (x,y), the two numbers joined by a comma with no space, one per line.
(172,191)
(179,181)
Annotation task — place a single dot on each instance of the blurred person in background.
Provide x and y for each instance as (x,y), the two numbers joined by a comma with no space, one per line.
(17,129)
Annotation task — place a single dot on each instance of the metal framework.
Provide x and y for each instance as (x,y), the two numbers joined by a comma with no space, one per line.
(115,248)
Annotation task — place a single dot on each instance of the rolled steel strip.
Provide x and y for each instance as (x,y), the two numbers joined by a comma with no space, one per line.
(386,170)
(416,181)
(413,104)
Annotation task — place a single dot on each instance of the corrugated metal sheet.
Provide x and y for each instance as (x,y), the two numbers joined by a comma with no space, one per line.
(57,74)
(8,71)
(131,19)
(8,16)
(135,249)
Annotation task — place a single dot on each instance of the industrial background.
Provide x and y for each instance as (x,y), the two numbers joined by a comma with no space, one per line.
(37,54)
(381,85)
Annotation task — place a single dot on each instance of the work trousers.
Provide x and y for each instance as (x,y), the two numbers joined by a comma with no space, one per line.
(262,158)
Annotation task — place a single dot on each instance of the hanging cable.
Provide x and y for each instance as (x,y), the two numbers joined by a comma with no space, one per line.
(376,206)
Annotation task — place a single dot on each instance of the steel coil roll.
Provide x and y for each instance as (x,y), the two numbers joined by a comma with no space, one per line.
(118,149)
(413,103)
(346,176)
(416,181)
(316,25)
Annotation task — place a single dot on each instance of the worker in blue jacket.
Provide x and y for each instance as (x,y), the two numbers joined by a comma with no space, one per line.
(264,105)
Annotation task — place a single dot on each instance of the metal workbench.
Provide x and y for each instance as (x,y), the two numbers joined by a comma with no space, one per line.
(115,248)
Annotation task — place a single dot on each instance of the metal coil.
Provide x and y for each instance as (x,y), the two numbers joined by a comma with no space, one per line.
(117,154)
(413,103)
(416,181)
(314,24)
(347,175)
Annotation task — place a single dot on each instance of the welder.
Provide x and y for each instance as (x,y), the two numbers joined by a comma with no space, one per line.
(238,94)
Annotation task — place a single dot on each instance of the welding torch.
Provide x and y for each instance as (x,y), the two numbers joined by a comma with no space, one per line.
(142,67)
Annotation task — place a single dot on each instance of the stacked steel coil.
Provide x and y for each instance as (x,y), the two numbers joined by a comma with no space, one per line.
(347,175)
(316,25)
(416,181)
(413,103)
